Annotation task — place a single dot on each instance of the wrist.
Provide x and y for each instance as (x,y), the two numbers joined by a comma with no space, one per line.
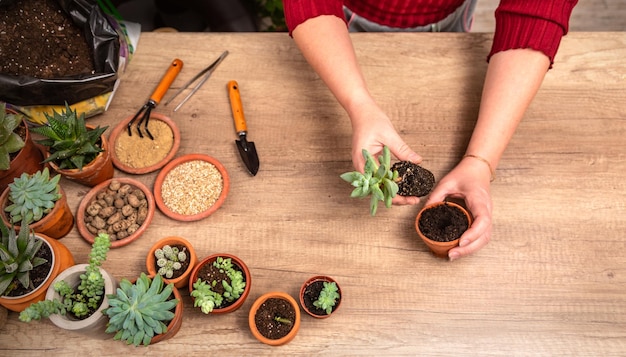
(492,171)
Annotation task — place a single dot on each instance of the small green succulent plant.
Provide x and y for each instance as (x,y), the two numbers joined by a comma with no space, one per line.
(210,295)
(71,144)
(82,300)
(379,181)
(31,197)
(328,297)
(141,310)
(10,141)
(17,257)
(168,260)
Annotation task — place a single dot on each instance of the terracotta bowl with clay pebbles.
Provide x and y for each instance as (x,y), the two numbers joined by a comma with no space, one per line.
(191,187)
(138,155)
(122,207)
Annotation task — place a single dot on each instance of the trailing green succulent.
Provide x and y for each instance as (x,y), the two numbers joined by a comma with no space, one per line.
(71,144)
(168,260)
(31,197)
(379,181)
(10,141)
(139,311)
(17,257)
(82,300)
(209,295)
(328,297)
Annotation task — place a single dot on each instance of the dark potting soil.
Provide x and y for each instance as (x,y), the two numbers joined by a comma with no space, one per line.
(37,275)
(311,293)
(443,223)
(39,40)
(414,179)
(265,318)
(183,265)
(209,273)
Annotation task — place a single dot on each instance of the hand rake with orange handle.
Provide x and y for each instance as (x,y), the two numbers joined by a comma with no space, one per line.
(155,98)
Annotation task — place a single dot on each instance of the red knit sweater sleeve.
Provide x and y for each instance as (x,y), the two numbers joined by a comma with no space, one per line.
(534,24)
(298,11)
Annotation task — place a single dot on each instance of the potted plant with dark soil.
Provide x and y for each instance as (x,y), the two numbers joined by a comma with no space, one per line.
(78,151)
(274,318)
(28,264)
(441,224)
(39,200)
(120,207)
(18,153)
(144,312)
(320,296)
(220,283)
(173,258)
(77,296)
(140,155)
(383,181)
(191,187)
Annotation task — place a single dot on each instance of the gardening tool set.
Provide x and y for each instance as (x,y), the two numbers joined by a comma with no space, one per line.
(246,148)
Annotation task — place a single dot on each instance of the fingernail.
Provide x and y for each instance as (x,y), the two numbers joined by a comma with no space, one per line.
(463,243)
(454,256)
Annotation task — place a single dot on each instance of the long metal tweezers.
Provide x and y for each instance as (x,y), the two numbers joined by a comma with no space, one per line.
(205,72)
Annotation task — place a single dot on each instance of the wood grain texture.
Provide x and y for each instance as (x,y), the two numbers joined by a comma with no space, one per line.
(551,282)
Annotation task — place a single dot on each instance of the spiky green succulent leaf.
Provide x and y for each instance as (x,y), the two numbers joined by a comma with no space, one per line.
(18,252)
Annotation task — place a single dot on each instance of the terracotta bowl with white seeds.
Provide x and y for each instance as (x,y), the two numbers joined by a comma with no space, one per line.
(191,187)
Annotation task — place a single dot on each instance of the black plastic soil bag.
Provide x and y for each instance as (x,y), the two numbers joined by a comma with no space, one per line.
(101,38)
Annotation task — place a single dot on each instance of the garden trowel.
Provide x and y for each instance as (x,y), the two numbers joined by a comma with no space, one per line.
(246,148)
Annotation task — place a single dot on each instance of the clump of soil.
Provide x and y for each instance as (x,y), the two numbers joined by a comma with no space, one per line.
(311,294)
(414,179)
(39,39)
(119,210)
(268,314)
(443,223)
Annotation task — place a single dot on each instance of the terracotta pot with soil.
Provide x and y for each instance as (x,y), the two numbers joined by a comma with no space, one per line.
(274,318)
(220,283)
(169,257)
(59,259)
(27,159)
(121,207)
(320,296)
(136,155)
(191,187)
(441,224)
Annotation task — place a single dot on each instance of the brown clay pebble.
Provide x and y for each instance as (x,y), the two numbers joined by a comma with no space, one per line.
(414,179)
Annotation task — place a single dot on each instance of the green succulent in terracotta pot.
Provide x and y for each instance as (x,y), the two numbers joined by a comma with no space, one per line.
(10,141)
(31,197)
(18,256)
(70,142)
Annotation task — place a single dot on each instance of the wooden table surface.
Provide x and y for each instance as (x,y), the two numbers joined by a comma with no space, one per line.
(551,282)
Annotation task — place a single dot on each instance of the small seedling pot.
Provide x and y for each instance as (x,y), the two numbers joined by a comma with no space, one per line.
(307,299)
(438,248)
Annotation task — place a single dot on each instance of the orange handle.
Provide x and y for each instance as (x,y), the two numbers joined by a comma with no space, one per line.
(166,81)
(237,108)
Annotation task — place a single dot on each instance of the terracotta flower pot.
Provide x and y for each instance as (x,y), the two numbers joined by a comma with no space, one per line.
(56,224)
(122,162)
(94,325)
(91,195)
(62,259)
(307,297)
(174,326)
(255,308)
(27,160)
(236,261)
(192,196)
(440,249)
(182,280)
(95,172)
